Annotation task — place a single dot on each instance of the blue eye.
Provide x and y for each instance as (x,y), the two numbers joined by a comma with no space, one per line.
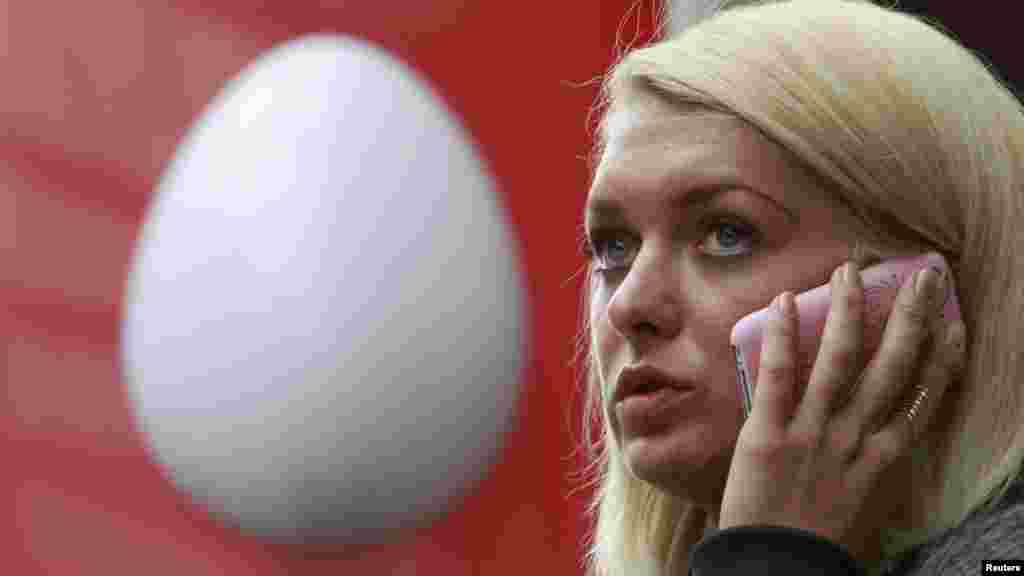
(732,237)
(609,249)
(725,236)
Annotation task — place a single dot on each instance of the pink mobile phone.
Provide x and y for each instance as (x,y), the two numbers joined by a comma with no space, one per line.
(881,284)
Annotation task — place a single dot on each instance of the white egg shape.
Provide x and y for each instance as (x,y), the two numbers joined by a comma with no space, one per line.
(325,321)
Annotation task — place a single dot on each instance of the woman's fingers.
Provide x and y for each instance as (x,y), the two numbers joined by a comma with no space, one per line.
(943,365)
(906,333)
(816,469)
(837,365)
(775,391)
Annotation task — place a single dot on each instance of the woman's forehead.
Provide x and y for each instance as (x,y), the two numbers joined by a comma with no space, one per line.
(655,149)
(637,126)
(644,146)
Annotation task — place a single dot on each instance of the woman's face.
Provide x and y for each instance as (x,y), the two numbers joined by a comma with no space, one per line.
(697,220)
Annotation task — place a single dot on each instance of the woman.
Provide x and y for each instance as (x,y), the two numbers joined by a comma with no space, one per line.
(753,155)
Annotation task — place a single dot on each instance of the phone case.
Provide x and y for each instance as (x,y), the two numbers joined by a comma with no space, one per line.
(881,285)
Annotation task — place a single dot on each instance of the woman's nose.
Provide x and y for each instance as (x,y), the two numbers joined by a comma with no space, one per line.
(647,304)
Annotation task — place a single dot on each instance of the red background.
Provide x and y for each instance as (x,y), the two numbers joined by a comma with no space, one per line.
(94,97)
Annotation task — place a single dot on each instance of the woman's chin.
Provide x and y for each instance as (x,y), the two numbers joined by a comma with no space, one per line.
(686,469)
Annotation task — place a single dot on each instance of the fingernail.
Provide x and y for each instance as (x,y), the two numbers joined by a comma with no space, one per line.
(927,284)
(850,273)
(955,336)
(955,341)
(940,286)
(785,303)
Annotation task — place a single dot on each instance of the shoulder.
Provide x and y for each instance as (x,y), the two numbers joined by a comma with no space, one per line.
(993,534)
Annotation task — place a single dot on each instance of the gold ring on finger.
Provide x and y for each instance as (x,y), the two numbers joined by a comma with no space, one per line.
(913,406)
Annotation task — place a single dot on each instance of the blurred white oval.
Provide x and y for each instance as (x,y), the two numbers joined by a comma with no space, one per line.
(325,319)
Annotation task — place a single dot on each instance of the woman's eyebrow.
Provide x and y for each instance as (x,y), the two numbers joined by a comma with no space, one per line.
(611,210)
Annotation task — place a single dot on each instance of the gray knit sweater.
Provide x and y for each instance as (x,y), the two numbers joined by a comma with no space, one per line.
(991,534)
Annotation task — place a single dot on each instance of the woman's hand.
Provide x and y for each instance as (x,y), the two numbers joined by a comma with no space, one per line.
(802,461)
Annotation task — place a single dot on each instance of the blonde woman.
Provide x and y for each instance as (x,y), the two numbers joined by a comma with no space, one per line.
(766,150)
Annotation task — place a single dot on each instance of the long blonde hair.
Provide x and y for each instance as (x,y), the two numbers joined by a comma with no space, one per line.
(925,145)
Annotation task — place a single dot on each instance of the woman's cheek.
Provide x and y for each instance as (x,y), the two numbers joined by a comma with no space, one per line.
(605,339)
(599,298)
